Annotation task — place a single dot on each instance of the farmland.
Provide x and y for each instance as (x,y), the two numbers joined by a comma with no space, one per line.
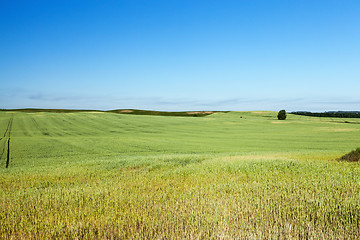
(222,176)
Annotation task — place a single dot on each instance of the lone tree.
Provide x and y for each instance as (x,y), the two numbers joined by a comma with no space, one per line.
(282,115)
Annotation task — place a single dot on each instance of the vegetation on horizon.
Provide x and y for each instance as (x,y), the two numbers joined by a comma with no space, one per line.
(163,113)
(334,114)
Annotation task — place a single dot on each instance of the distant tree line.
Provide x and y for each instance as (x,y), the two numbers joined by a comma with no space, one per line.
(334,114)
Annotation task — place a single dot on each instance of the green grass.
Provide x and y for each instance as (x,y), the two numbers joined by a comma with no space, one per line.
(227,175)
(121,111)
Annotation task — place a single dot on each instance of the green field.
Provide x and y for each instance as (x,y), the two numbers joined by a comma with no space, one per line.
(227,175)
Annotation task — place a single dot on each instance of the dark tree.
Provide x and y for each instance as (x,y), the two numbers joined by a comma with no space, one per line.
(282,115)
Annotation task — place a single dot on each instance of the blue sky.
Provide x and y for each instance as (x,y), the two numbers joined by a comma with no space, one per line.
(180,55)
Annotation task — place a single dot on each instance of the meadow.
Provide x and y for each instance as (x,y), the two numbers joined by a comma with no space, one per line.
(233,175)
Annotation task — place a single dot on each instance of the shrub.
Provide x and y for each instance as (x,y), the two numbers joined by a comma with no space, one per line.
(353,156)
(281,115)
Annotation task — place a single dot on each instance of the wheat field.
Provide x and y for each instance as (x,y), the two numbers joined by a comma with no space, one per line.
(235,175)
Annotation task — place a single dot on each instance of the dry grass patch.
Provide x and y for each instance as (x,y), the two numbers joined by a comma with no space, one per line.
(259,112)
(204,112)
(277,122)
(270,156)
(126,111)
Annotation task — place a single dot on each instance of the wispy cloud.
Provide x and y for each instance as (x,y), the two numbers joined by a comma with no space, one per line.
(54,98)
(18,98)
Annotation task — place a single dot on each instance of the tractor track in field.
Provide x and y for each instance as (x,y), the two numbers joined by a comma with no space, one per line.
(43,132)
(36,124)
(8,126)
(3,151)
(8,135)
(8,155)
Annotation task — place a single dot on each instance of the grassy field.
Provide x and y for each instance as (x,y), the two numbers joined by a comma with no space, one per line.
(235,175)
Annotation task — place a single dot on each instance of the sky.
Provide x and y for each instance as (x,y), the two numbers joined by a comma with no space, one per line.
(178,55)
